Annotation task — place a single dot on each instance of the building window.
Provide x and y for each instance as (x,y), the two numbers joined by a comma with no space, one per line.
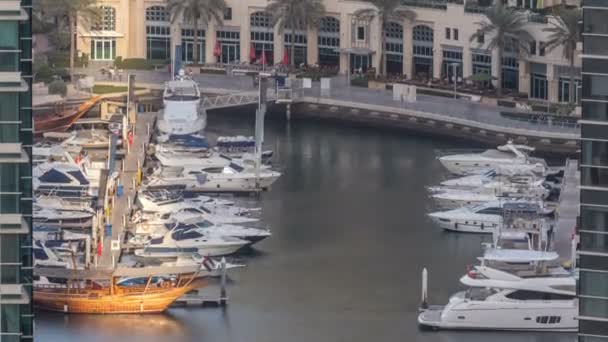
(9,40)
(480,38)
(360,33)
(593,283)
(262,37)
(455,34)
(482,64)
(107,20)
(564,89)
(594,110)
(538,86)
(594,153)
(261,19)
(447,33)
(103,49)
(188,46)
(594,307)
(230,46)
(594,242)
(299,46)
(9,320)
(533,47)
(596,45)
(541,49)
(158,43)
(594,21)
(595,87)
(452,59)
(228,13)
(328,41)
(157,13)
(423,37)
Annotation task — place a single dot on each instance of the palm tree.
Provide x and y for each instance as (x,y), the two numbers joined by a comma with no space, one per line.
(71,12)
(385,11)
(565,32)
(197,12)
(505,26)
(295,15)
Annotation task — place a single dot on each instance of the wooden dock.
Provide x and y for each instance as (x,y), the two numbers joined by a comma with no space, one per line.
(121,208)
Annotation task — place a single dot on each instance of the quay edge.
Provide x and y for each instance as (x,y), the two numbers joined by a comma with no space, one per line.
(544,141)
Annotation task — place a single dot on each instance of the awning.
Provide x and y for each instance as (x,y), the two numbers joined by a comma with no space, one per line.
(100,34)
(356,51)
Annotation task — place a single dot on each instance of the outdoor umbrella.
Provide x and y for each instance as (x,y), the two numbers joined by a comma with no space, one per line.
(251,53)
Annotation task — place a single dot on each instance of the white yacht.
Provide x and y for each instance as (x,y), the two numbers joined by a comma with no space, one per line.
(173,157)
(62,218)
(475,163)
(232,177)
(176,243)
(488,216)
(58,203)
(490,176)
(454,198)
(182,112)
(206,227)
(164,201)
(500,300)
(63,180)
(210,265)
(45,257)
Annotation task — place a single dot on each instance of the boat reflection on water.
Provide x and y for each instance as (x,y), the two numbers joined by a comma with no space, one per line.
(161,326)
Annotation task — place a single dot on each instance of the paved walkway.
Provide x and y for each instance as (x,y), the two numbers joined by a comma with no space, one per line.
(567,210)
(460,108)
(121,204)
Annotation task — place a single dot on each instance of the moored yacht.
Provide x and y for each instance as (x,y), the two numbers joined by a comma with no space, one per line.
(475,163)
(176,243)
(499,300)
(182,112)
(63,180)
(454,198)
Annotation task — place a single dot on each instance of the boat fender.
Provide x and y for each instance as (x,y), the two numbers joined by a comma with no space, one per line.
(456,225)
(482,226)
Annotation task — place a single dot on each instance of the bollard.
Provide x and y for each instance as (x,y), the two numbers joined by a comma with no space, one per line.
(223,295)
(148,130)
(424,303)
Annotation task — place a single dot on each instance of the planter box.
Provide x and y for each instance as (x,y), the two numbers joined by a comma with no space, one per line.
(378,85)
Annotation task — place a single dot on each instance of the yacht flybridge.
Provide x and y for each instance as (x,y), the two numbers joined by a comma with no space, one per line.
(476,163)
(500,300)
(454,198)
(182,112)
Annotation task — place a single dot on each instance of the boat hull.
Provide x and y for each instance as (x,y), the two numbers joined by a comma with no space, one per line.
(507,319)
(466,226)
(126,301)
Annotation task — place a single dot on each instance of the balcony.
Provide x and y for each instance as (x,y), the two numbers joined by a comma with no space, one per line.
(12,153)
(13,224)
(13,294)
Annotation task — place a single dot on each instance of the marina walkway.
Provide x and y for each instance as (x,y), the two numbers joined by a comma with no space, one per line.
(567,210)
(121,208)
(456,108)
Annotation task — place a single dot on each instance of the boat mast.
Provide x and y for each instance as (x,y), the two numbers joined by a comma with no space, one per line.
(260,113)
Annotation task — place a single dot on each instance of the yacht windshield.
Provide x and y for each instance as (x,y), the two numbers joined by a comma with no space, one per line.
(479,294)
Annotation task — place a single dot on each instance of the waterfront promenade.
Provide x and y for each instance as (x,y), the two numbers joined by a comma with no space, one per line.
(436,114)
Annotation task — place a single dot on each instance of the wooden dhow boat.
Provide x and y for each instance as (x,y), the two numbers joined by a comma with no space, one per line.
(106,292)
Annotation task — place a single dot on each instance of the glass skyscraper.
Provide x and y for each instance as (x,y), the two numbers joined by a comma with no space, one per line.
(15,171)
(593,248)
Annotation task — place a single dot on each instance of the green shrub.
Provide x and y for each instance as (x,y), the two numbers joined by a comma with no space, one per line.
(133,63)
(59,59)
(58,87)
(43,73)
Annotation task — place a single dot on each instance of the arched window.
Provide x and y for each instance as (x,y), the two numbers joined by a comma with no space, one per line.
(261,19)
(423,33)
(157,13)
(262,37)
(107,20)
(158,34)
(328,41)
(393,30)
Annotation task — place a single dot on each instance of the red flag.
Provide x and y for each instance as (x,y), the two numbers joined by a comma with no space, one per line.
(263,57)
(285,60)
(218,49)
(99,249)
(251,53)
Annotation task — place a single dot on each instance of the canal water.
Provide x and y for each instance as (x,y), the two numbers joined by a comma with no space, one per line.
(350,239)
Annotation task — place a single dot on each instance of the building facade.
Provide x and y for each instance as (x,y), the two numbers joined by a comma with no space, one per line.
(429,47)
(593,230)
(16,316)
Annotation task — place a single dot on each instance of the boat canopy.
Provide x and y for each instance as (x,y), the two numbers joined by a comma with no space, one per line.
(518,255)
